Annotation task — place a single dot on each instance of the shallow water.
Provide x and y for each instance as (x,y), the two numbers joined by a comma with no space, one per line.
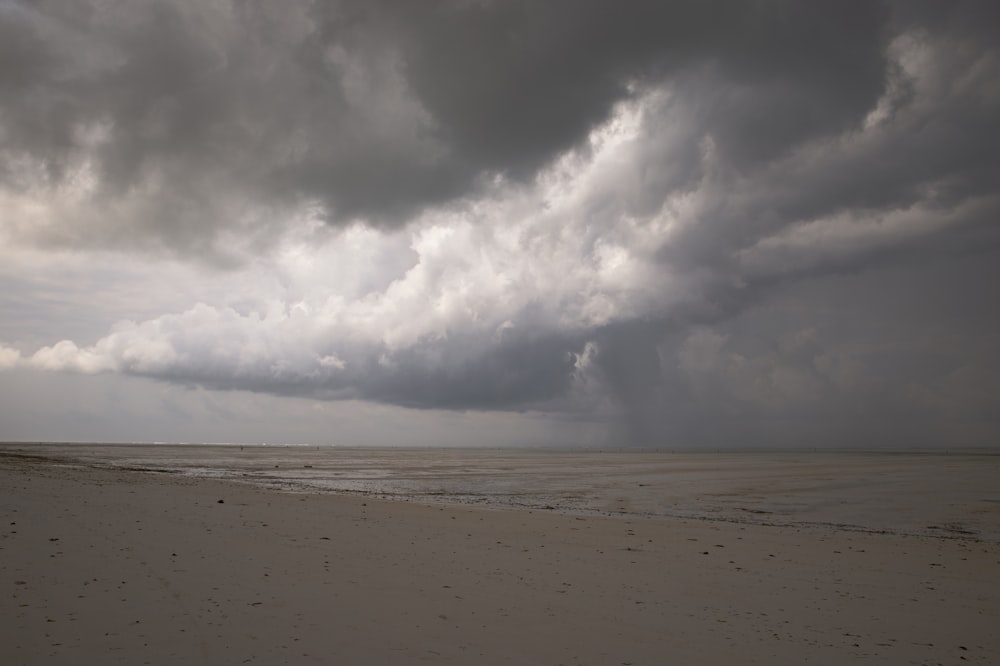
(922,493)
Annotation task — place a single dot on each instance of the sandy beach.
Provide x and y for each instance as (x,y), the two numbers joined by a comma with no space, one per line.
(115,566)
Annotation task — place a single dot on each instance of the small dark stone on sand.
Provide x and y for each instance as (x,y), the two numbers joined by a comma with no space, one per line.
(222,501)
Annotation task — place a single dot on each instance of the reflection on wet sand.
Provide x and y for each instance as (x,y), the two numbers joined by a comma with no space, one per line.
(942,494)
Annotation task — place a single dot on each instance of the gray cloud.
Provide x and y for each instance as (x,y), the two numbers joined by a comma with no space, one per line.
(190,119)
(664,211)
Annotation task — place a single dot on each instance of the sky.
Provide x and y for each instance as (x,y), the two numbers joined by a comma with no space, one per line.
(474,222)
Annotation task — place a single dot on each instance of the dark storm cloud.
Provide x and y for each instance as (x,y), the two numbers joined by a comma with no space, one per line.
(197,117)
(910,189)
(793,165)
(513,83)
(435,375)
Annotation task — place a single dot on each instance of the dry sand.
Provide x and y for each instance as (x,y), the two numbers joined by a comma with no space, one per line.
(116,567)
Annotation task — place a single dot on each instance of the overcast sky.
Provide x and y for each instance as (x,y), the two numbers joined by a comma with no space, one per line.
(680,224)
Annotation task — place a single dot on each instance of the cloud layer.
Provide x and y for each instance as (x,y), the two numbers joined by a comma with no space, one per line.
(661,215)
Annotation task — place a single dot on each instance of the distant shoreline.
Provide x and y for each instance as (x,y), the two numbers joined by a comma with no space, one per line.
(940,450)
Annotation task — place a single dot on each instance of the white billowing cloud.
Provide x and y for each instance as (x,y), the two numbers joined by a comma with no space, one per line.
(849,235)
(65,355)
(9,358)
(328,303)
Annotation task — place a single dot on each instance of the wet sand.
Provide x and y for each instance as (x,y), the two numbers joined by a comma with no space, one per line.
(930,493)
(112,566)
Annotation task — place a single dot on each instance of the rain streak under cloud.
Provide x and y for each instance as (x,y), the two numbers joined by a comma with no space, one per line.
(668,224)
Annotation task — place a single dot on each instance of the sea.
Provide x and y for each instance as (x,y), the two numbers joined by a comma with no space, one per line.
(943,494)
